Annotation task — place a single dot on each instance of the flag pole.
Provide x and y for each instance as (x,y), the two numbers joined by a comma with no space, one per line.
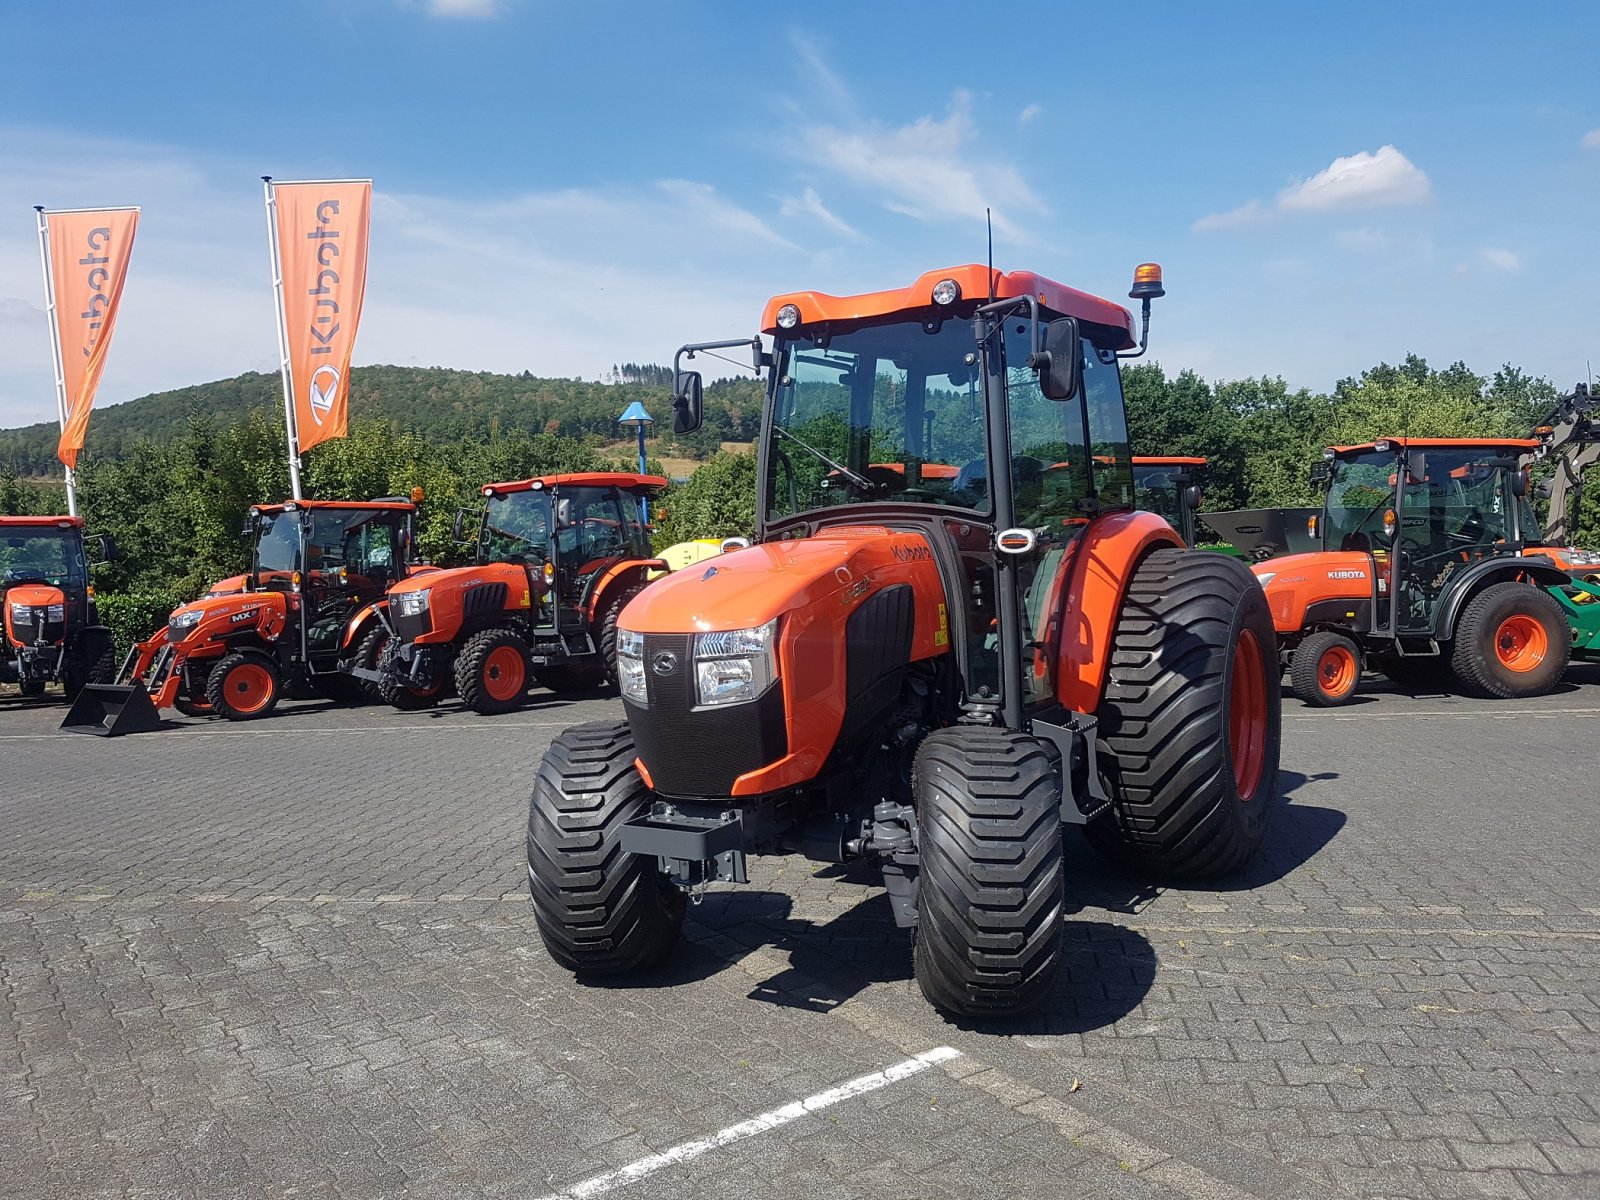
(283,339)
(55,349)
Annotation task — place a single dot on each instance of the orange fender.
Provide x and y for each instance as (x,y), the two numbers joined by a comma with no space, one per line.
(1086,600)
(642,565)
(356,626)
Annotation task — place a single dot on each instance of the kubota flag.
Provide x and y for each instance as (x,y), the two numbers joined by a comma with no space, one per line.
(321,250)
(88,253)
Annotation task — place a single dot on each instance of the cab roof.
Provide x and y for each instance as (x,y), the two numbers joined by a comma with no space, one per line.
(58,522)
(650,485)
(1505,443)
(402,505)
(974,281)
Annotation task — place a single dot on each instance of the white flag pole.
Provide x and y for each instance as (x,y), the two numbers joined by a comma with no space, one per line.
(283,339)
(55,349)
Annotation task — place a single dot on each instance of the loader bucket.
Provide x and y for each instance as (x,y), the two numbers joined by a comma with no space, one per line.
(111,710)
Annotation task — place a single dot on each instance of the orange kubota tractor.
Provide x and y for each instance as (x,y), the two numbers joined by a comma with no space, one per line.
(318,572)
(1431,569)
(931,670)
(558,558)
(52,630)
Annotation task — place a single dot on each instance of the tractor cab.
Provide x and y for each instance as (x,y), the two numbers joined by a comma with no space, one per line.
(47,607)
(1171,487)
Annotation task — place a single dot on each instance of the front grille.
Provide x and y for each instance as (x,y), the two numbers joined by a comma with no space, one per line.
(408,628)
(692,754)
(35,628)
(484,599)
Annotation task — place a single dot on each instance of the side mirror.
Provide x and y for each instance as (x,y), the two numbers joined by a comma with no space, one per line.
(458,529)
(1547,488)
(1060,363)
(1320,473)
(1191,498)
(688,399)
(1519,484)
(108,548)
(248,530)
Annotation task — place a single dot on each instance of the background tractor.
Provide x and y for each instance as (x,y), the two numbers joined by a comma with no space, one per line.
(954,635)
(52,631)
(558,558)
(1430,570)
(1171,487)
(318,572)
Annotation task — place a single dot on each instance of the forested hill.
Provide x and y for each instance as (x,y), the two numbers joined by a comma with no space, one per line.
(438,404)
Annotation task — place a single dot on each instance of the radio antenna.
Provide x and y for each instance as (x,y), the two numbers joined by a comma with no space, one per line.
(988,221)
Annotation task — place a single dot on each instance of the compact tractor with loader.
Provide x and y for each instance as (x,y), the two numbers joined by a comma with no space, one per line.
(558,558)
(1432,570)
(318,572)
(52,631)
(930,666)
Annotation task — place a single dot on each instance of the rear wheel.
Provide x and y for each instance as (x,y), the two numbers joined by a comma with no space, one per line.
(492,671)
(989,900)
(1191,717)
(244,686)
(1325,670)
(396,689)
(608,631)
(1512,640)
(600,910)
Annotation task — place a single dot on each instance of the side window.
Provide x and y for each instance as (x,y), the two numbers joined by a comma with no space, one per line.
(1049,466)
(1111,457)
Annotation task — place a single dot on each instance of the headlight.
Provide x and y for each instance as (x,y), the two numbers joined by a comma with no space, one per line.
(630,666)
(185,619)
(413,604)
(21,612)
(735,666)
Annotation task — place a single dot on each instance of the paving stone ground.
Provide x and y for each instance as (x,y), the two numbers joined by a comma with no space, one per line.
(295,958)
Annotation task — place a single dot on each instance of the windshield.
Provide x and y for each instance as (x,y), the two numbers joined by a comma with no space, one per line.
(1156,488)
(1454,498)
(515,523)
(51,556)
(356,541)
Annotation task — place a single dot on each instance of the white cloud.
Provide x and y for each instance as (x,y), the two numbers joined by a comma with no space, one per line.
(1381,179)
(1364,241)
(471,9)
(822,84)
(1245,214)
(926,170)
(1503,259)
(1028,114)
(1591,140)
(810,204)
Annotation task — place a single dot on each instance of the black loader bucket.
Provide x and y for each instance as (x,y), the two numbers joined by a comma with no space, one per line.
(111,710)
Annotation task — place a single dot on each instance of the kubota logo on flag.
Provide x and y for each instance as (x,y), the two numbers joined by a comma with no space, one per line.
(321,231)
(88,257)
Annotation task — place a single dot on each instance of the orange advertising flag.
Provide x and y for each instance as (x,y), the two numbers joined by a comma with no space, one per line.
(88,263)
(321,251)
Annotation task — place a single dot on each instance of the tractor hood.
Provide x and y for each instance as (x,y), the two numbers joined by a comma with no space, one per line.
(747,588)
(238,608)
(1315,567)
(33,596)
(459,579)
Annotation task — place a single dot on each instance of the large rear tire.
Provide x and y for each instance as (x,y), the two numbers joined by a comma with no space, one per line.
(1513,640)
(1325,670)
(608,631)
(990,890)
(1191,718)
(600,911)
(244,686)
(492,671)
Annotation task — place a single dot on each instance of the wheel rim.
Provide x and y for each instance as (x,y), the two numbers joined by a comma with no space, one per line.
(1520,643)
(427,693)
(1247,716)
(504,673)
(1337,671)
(248,687)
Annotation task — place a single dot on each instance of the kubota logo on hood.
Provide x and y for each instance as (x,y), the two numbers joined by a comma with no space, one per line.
(322,390)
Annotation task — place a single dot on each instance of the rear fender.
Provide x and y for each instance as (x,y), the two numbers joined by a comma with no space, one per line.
(1086,596)
(1465,584)
(365,617)
(619,578)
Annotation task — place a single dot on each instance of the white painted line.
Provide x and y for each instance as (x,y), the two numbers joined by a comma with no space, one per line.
(1453,714)
(200,731)
(646,1167)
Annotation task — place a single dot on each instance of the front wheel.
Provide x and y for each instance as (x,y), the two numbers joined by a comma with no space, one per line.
(93,659)
(600,910)
(1325,670)
(1191,717)
(990,890)
(396,688)
(244,686)
(1513,640)
(492,671)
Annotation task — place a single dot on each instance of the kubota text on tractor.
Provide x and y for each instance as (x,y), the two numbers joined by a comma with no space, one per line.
(931,665)
(558,558)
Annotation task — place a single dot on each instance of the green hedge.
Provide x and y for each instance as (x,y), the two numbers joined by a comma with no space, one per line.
(134,616)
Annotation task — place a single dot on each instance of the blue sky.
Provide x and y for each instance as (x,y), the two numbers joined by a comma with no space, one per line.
(564,186)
